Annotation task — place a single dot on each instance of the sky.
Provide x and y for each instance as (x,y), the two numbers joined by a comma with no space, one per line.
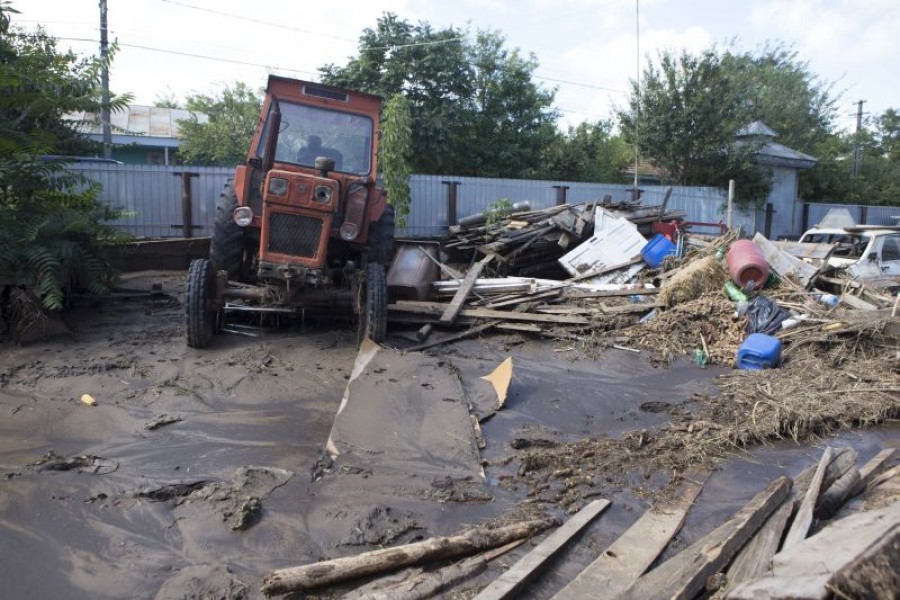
(587,49)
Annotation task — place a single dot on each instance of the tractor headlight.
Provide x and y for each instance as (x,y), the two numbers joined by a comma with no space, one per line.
(349,231)
(278,186)
(323,194)
(243,216)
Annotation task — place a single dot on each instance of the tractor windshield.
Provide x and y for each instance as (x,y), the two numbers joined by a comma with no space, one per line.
(308,132)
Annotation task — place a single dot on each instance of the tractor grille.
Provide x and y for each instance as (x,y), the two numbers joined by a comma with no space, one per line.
(296,235)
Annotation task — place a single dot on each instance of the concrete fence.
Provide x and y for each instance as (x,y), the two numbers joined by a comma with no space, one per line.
(180,201)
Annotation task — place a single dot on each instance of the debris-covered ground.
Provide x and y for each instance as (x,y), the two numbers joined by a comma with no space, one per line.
(133,466)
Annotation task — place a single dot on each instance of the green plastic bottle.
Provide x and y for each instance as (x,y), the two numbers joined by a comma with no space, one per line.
(734,292)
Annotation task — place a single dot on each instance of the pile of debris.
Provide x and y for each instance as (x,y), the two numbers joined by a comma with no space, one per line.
(834,529)
(677,294)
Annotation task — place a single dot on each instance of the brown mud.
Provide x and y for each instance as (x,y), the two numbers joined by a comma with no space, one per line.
(198,472)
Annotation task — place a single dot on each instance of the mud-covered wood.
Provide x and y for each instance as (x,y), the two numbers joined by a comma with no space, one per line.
(452,311)
(636,549)
(803,519)
(685,575)
(517,576)
(329,572)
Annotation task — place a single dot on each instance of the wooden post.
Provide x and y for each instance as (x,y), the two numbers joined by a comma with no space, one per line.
(729,220)
(863,214)
(187,203)
(561,194)
(805,213)
(770,210)
(452,187)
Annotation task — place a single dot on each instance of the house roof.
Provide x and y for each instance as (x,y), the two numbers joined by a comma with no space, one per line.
(770,152)
(137,120)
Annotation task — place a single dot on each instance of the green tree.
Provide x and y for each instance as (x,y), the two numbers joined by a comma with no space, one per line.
(51,223)
(394,155)
(691,107)
(474,107)
(224,138)
(588,152)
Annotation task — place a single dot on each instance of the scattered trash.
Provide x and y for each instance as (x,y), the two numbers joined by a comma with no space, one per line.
(759,351)
(88,399)
(765,316)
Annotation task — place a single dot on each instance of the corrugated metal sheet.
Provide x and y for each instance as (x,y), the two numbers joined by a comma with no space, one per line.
(151,196)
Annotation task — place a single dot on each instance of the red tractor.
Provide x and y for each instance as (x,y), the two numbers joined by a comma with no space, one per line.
(302,225)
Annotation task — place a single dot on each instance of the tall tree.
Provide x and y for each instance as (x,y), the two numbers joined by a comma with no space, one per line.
(223,139)
(691,106)
(475,109)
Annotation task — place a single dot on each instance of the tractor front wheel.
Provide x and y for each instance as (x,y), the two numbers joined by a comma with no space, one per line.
(373,316)
(200,317)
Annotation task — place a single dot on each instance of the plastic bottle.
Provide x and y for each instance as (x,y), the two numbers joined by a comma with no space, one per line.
(740,309)
(734,292)
(829,300)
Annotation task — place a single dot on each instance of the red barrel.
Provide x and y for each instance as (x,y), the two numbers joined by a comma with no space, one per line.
(746,263)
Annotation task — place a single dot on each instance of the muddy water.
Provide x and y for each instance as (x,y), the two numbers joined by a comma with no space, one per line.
(121,511)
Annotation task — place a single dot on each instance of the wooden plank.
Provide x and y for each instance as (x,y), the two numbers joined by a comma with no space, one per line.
(636,549)
(873,574)
(454,337)
(800,526)
(804,571)
(685,575)
(485,313)
(452,311)
(784,264)
(857,303)
(755,557)
(518,576)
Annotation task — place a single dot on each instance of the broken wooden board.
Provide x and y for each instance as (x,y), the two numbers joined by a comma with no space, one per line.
(452,311)
(636,549)
(518,576)
(784,264)
(755,557)
(803,519)
(685,575)
(804,571)
(436,309)
(819,253)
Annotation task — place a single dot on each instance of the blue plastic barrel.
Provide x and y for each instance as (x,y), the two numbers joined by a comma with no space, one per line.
(759,351)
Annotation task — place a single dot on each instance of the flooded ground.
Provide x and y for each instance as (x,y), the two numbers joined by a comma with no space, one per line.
(201,471)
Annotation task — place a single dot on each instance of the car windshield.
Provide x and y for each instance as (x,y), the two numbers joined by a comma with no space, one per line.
(848,245)
(308,132)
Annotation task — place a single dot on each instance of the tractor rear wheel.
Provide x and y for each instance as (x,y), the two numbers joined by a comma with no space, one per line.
(200,317)
(373,313)
(226,248)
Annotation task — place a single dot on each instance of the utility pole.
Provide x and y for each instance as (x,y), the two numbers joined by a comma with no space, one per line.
(637,109)
(104,83)
(857,150)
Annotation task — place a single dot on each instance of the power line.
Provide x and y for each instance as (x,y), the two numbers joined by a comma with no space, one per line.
(580,84)
(192,55)
(309,31)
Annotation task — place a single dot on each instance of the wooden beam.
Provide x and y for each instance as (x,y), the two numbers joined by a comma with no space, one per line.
(451,312)
(851,484)
(755,557)
(329,572)
(636,549)
(436,308)
(518,576)
(800,526)
(685,575)
(805,570)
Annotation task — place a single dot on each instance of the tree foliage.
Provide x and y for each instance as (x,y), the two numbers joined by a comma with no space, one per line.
(691,107)
(394,154)
(588,152)
(224,138)
(474,107)
(51,223)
